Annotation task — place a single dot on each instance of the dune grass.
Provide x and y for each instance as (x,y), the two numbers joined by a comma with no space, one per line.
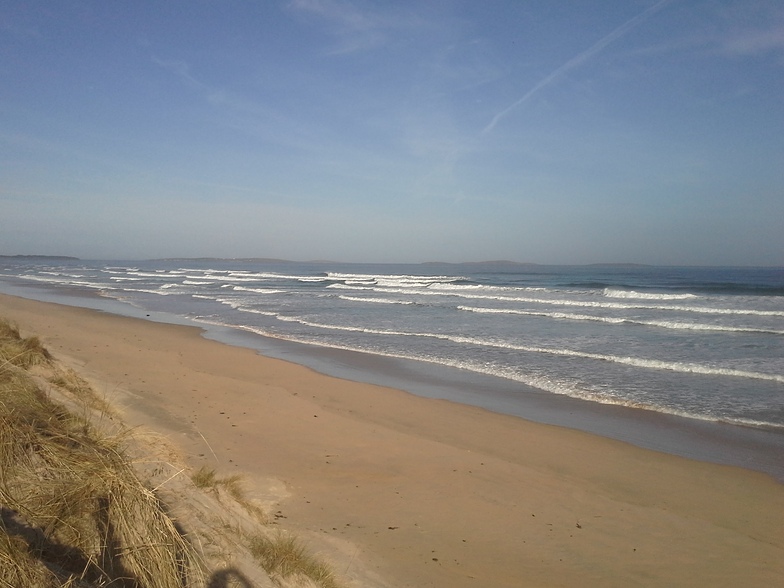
(206,478)
(280,554)
(18,351)
(80,390)
(72,510)
(285,556)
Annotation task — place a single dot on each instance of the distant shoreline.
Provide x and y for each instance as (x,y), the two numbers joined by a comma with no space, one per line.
(469,264)
(52,257)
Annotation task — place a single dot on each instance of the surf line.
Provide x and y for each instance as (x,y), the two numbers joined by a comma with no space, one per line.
(686,368)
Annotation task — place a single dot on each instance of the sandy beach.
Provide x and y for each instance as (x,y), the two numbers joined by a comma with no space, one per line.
(397,490)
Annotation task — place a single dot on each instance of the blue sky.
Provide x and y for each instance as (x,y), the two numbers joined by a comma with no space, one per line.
(552,132)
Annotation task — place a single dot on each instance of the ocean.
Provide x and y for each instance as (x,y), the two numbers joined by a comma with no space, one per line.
(701,344)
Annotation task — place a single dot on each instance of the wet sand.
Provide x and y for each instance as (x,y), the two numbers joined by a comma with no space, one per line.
(400,490)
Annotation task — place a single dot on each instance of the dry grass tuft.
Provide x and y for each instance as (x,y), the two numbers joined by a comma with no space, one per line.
(18,351)
(284,555)
(72,510)
(80,390)
(207,479)
(233,486)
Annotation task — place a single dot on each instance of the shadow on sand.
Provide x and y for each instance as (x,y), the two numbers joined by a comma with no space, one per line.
(228,578)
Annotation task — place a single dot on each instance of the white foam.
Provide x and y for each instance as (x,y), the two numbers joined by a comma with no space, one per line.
(621,321)
(239,305)
(91,285)
(688,368)
(118,268)
(458,287)
(142,274)
(340,286)
(375,300)
(391,280)
(507,294)
(655,364)
(579,303)
(258,290)
(256,276)
(615,293)
(631,361)
(148,291)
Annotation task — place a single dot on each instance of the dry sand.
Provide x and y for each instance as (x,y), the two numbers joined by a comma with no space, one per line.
(404,491)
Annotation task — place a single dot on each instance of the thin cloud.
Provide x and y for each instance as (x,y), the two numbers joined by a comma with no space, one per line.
(340,13)
(235,111)
(751,43)
(579,60)
(181,70)
(355,30)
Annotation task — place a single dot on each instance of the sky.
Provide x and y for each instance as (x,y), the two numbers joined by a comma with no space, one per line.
(577,131)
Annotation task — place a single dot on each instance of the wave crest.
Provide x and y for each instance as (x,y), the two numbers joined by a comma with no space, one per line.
(633,294)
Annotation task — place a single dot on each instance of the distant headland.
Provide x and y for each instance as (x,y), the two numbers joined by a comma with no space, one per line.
(52,257)
(467,264)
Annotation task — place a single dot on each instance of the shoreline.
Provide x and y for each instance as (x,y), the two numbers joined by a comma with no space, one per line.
(424,491)
(760,449)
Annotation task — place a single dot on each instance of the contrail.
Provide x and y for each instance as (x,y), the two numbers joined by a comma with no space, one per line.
(580,59)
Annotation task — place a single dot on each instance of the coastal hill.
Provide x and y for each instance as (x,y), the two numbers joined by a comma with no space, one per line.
(493,263)
(488,263)
(48,257)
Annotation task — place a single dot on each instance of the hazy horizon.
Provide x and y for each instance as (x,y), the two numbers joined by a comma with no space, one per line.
(642,131)
(478,262)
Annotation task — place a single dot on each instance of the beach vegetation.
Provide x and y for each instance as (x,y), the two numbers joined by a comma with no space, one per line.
(77,510)
(284,556)
(206,478)
(80,390)
(72,510)
(20,351)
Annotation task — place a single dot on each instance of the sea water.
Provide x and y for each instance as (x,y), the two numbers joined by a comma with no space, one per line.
(705,344)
